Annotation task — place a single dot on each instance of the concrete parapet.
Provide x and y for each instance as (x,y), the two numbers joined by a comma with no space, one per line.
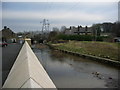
(28,72)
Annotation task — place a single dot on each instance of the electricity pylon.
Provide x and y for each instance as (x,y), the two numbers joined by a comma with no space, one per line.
(45,28)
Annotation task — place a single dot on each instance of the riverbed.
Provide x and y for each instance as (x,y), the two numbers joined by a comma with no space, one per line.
(69,71)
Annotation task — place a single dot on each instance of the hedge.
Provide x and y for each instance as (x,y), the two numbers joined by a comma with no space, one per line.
(79,37)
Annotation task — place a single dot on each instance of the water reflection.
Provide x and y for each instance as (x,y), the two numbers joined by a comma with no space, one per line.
(68,71)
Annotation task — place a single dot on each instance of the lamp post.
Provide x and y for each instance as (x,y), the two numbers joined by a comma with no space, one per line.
(96,34)
(101,29)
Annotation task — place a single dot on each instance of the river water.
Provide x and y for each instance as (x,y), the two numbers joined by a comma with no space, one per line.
(68,71)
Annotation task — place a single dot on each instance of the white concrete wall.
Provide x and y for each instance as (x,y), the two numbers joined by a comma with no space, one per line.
(27,72)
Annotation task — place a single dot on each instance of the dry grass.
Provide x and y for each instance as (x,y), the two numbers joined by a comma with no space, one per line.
(100,49)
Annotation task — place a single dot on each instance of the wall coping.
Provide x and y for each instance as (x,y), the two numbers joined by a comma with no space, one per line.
(28,72)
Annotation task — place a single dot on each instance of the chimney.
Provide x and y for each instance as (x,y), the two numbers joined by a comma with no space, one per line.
(5,27)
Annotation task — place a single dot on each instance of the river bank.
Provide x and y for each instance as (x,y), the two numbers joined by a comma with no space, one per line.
(99,51)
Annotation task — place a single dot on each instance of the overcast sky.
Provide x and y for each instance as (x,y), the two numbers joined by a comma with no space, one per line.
(26,16)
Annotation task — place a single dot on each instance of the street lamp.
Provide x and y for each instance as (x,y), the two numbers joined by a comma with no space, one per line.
(101,29)
(96,34)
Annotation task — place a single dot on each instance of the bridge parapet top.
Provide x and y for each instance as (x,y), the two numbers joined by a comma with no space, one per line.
(28,72)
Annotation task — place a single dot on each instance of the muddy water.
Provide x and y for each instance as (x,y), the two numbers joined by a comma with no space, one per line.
(68,71)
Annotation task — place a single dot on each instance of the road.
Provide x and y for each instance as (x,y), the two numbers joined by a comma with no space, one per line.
(9,55)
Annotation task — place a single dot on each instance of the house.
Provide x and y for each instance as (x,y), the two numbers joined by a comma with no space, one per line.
(78,30)
(8,35)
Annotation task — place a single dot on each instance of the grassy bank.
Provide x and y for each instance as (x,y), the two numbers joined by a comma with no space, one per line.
(99,49)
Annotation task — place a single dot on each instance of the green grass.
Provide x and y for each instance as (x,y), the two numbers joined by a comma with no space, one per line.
(100,49)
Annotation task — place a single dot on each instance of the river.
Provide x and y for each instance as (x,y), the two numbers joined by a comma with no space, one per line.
(68,71)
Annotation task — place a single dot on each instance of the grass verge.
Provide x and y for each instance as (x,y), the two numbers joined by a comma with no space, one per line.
(99,49)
